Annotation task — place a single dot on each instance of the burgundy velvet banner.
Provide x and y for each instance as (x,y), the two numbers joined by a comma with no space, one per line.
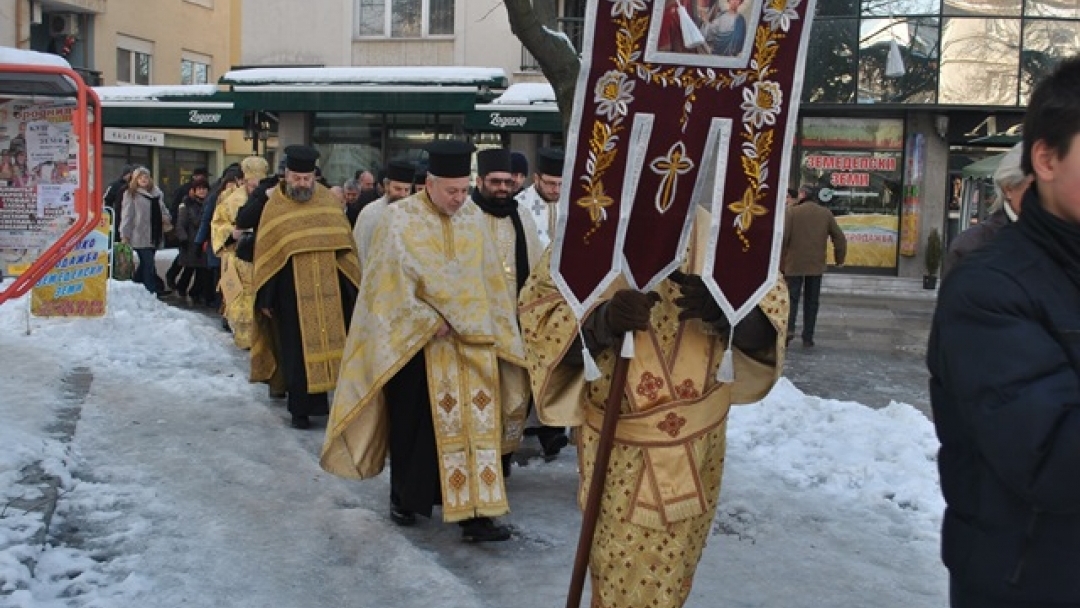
(679,103)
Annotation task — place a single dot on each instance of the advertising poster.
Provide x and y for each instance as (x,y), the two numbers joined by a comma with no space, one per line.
(909,214)
(38,178)
(78,285)
(857,167)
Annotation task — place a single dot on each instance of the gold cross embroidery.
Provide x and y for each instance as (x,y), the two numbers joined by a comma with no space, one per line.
(670,167)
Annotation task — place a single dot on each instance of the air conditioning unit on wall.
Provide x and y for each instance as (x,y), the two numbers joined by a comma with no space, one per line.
(64,24)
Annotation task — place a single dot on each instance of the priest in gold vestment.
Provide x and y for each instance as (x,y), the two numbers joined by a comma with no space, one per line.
(305,280)
(434,363)
(239,304)
(663,480)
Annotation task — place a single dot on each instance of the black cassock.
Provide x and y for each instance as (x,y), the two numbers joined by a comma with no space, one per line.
(414,459)
(279,295)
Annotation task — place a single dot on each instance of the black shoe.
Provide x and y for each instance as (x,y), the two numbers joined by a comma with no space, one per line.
(300,422)
(553,444)
(402,517)
(507,459)
(483,530)
(807,342)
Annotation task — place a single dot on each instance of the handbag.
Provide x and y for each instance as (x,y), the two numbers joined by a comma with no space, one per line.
(123,262)
(245,247)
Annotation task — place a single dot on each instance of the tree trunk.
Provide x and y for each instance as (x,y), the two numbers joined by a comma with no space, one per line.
(558,60)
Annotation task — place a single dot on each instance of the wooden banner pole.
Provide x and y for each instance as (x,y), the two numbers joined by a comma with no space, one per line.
(596,483)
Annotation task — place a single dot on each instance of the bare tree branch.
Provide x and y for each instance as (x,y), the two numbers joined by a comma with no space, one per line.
(557,58)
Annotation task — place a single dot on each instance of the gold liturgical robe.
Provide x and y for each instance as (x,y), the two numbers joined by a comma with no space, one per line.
(424,267)
(316,237)
(240,307)
(664,476)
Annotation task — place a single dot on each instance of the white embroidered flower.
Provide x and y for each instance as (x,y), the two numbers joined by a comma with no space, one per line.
(779,14)
(627,8)
(613,94)
(761,103)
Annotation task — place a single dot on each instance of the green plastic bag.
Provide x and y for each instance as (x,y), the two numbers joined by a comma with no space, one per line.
(123,262)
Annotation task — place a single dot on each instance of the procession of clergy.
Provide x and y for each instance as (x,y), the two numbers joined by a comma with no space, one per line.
(437,326)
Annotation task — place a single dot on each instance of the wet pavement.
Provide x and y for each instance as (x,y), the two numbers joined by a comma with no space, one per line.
(867,349)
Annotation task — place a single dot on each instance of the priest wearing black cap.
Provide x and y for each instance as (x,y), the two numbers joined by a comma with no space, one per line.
(541,199)
(397,184)
(306,276)
(433,371)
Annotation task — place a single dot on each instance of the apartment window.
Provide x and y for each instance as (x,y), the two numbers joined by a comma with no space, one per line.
(134,60)
(405,18)
(195,68)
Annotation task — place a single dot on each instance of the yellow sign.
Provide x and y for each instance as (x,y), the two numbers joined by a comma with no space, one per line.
(78,285)
(871,240)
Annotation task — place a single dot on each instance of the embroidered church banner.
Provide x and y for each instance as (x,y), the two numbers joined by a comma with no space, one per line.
(678,103)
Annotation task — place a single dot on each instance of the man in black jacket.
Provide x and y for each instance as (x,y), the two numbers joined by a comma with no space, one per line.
(1004,360)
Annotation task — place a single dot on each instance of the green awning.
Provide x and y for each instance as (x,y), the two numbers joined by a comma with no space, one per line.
(169,107)
(173,116)
(515,119)
(361,99)
(983,168)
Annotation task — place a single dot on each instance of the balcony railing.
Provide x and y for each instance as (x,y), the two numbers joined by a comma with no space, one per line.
(573,27)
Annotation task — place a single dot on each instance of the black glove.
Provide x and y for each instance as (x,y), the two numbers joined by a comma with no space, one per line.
(696,302)
(628,310)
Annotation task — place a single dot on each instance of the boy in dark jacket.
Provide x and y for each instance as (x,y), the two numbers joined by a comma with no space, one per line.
(1004,360)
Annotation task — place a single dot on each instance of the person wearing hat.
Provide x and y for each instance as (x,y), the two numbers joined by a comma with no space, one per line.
(224,238)
(305,278)
(433,362)
(541,199)
(519,170)
(514,233)
(397,185)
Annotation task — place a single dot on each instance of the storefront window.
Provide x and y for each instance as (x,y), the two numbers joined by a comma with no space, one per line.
(1045,44)
(1000,8)
(912,79)
(858,166)
(1059,9)
(348,143)
(888,8)
(833,49)
(978,61)
(175,167)
(116,156)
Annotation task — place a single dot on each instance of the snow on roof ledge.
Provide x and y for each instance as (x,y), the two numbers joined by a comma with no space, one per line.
(438,75)
(20,56)
(149,93)
(525,94)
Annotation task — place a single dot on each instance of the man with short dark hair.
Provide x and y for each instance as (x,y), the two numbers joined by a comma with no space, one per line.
(434,359)
(808,227)
(1004,362)
(305,285)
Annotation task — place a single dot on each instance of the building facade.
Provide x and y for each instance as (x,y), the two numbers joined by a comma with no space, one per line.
(136,43)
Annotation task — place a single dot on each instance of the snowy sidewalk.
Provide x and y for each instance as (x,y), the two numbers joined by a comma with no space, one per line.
(182,485)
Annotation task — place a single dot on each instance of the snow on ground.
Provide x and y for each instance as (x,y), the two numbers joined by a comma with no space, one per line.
(181,485)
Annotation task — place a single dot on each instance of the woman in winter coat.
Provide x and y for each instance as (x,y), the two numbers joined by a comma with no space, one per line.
(144,224)
(193,281)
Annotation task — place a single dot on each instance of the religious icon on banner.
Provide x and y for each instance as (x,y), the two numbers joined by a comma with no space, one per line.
(680,103)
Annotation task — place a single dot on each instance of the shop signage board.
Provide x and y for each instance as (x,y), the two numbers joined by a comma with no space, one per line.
(78,285)
(49,198)
(857,165)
